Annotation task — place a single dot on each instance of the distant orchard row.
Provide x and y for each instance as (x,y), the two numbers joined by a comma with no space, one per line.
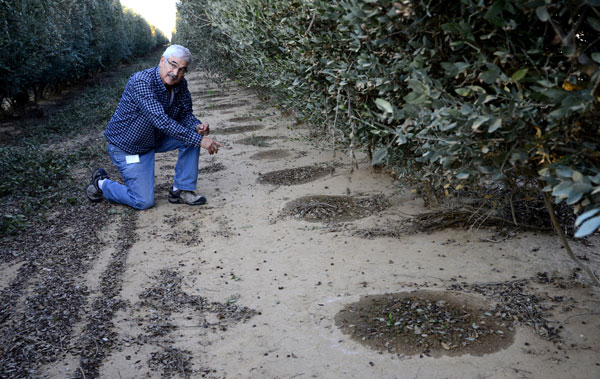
(47,44)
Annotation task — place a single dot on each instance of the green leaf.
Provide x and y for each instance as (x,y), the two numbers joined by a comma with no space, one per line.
(564,172)
(490,76)
(596,57)
(400,137)
(562,190)
(463,91)
(417,86)
(452,27)
(588,227)
(445,128)
(519,75)
(486,169)
(518,157)
(578,176)
(450,68)
(477,89)
(584,216)
(496,8)
(595,23)
(384,105)
(415,98)
(379,156)
(478,122)
(577,191)
(495,125)
(462,175)
(542,13)
(546,83)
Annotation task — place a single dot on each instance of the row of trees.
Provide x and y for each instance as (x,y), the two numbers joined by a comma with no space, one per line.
(497,97)
(48,43)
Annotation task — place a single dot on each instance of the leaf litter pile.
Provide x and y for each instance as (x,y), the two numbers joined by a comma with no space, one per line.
(516,301)
(171,361)
(292,176)
(456,321)
(161,303)
(425,322)
(322,208)
(209,169)
(45,301)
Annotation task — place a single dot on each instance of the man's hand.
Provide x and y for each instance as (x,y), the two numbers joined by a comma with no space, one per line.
(203,129)
(210,145)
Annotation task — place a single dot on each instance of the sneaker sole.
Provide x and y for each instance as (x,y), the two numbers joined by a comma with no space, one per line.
(181,201)
(92,194)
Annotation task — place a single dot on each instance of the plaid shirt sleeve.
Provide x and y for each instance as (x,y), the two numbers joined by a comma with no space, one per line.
(145,115)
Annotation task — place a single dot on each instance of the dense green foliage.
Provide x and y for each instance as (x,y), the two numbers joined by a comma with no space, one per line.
(493,96)
(46,44)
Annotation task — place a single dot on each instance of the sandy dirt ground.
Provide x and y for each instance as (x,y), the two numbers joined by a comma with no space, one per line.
(254,293)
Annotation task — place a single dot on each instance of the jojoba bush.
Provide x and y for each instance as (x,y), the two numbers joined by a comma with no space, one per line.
(462,94)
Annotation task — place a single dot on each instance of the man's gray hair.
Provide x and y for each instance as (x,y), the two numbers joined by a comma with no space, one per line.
(178,51)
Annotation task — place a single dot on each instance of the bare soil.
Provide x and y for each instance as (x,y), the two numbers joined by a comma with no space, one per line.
(268,281)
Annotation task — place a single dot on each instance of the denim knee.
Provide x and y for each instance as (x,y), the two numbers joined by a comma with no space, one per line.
(143,204)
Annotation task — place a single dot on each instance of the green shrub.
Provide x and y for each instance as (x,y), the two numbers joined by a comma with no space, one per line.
(462,94)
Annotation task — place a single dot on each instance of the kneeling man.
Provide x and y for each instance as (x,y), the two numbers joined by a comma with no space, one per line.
(154,116)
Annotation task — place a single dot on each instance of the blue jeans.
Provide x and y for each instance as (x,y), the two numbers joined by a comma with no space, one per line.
(138,191)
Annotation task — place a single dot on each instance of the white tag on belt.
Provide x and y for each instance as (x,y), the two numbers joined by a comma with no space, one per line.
(132,159)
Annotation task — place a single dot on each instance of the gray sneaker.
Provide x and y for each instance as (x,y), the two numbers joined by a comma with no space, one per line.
(93,191)
(186,197)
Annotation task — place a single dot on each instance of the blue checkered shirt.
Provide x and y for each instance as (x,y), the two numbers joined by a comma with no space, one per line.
(144,116)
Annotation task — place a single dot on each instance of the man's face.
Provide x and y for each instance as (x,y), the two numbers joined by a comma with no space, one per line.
(172,70)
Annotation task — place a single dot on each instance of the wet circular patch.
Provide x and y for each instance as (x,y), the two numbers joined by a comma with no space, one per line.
(240,129)
(271,154)
(245,119)
(323,208)
(292,176)
(427,322)
(260,141)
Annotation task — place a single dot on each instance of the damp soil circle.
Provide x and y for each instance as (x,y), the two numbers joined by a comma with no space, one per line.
(245,119)
(328,208)
(260,141)
(433,323)
(271,154)
(292,176)
(240,129)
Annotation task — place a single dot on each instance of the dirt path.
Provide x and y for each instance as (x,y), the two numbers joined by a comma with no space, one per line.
(236,289)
